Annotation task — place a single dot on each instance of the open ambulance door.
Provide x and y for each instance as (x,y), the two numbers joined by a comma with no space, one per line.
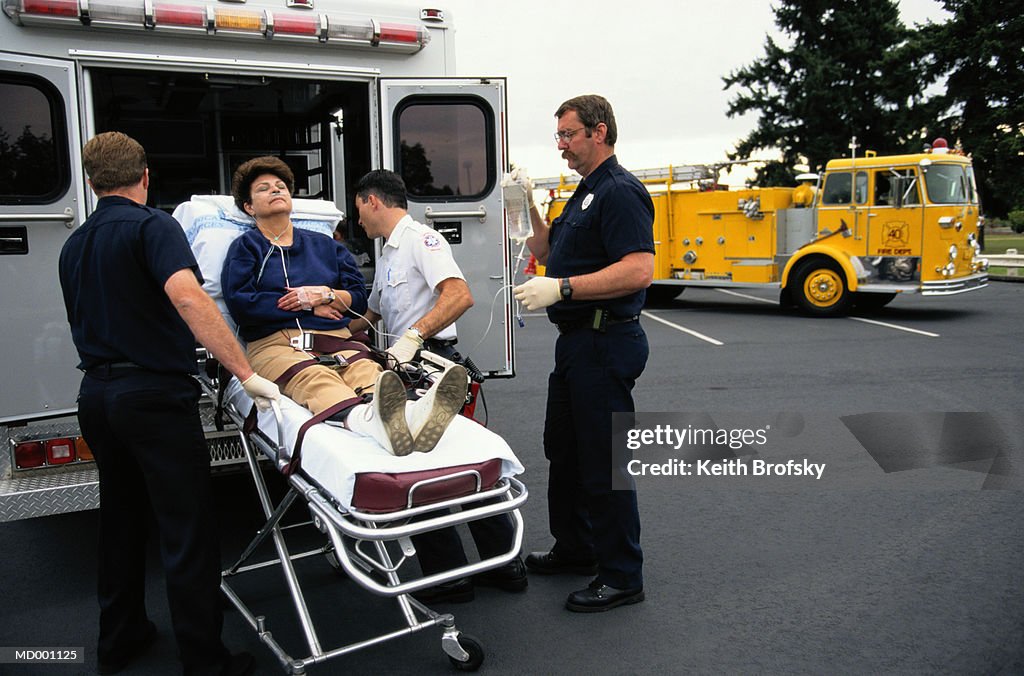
(40,203)
(446,137)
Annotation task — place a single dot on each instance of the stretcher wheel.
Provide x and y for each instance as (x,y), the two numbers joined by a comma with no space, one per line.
(475,650)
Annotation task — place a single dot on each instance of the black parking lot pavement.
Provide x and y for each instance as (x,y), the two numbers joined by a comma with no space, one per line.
(903,556)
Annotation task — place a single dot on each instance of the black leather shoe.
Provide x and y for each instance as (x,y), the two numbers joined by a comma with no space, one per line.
(511,577)
(598,598)
(457,591)
(138,649)
(550,563)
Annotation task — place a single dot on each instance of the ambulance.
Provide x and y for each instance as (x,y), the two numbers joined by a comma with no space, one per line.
(869,229)
(333,88)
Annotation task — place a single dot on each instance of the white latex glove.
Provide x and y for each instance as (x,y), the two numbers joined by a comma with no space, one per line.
(261,391)
(538,292)
(520,176)
(406,347)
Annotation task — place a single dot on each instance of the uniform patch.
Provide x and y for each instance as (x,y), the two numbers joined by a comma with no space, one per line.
(431,241)
(586,201)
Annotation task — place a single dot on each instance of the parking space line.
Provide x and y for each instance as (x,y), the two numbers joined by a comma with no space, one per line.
(858,319)
(693,333)
(895,326)
(743,295)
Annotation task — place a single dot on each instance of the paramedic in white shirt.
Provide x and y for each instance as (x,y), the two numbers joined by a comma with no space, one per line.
(419,291)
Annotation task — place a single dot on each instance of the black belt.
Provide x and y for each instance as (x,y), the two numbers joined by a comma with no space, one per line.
(599,321)
(436,343)
(110,367)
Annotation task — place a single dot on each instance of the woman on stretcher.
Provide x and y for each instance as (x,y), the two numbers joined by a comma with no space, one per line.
(291,293)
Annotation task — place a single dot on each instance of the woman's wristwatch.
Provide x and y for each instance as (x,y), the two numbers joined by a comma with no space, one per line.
(330,296)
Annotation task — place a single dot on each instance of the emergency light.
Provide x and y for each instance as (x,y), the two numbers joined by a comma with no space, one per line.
(329,28)
(59,451)
(33,453)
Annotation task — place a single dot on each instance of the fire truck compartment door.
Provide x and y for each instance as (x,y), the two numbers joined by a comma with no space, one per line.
(40,204)
(446,137)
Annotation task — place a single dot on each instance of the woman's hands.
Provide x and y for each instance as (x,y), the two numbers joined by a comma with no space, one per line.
(315,298)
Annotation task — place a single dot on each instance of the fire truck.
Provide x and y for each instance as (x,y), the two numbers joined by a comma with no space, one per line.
(870,228)
(333,88)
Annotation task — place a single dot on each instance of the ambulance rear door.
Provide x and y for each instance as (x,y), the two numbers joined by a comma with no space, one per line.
(40,204)
(447,138)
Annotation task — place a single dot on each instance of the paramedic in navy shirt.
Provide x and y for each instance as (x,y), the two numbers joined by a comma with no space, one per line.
(136,307)
(600,259)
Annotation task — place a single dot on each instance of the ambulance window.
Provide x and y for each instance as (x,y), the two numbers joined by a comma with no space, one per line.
(33,159)
(444,147)
(838,188)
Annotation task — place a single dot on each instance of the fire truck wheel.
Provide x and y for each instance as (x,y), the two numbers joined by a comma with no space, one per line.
(872,301)
(820,289)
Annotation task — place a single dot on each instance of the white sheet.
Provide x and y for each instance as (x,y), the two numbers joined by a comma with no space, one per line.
(333,456)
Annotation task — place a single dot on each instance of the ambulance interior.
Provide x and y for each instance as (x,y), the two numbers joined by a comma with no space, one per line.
(198,127)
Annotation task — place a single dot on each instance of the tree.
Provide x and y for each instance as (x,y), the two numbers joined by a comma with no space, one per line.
(849,72)
(980,53)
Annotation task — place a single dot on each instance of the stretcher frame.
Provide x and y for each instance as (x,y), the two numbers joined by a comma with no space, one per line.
(348,531)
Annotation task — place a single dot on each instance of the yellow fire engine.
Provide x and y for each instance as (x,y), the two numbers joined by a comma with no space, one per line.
(870,228)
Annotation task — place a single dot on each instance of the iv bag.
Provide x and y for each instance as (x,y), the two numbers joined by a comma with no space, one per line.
(517,210)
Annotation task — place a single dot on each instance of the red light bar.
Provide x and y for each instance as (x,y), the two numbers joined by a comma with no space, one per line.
(59,451)
(396,32)
(290,24)
(52,7)
(29,454)
(333,29)
(179,15)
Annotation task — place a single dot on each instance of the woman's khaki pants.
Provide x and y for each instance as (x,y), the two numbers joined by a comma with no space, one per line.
(315,387)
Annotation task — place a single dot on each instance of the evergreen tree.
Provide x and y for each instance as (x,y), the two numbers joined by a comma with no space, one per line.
(848,72)
(980,53)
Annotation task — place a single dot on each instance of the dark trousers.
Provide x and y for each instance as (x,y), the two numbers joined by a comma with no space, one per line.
(144,429)
(442,549)
(593,377)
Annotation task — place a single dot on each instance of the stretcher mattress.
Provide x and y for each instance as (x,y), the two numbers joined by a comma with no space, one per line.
(359,474)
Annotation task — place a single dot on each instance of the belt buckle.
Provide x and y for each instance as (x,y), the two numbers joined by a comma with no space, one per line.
(331,360)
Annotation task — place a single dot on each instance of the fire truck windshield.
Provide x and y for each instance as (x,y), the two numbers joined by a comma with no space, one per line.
(946,184)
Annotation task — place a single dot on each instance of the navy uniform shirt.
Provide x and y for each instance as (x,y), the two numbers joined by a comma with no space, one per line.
(112,271)
(609,216)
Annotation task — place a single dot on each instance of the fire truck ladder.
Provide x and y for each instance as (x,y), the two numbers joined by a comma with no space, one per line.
(672,174)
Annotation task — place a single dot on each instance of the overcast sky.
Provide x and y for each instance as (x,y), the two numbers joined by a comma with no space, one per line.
(659,62)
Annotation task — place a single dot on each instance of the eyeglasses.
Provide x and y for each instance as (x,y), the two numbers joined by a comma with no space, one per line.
(567,135)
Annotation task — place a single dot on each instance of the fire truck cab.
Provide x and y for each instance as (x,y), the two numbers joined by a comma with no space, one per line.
(334,88)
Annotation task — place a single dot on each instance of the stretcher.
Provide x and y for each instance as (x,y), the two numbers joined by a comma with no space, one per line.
(366,502)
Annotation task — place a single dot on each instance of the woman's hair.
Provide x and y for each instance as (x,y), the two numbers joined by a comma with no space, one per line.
(247,172)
